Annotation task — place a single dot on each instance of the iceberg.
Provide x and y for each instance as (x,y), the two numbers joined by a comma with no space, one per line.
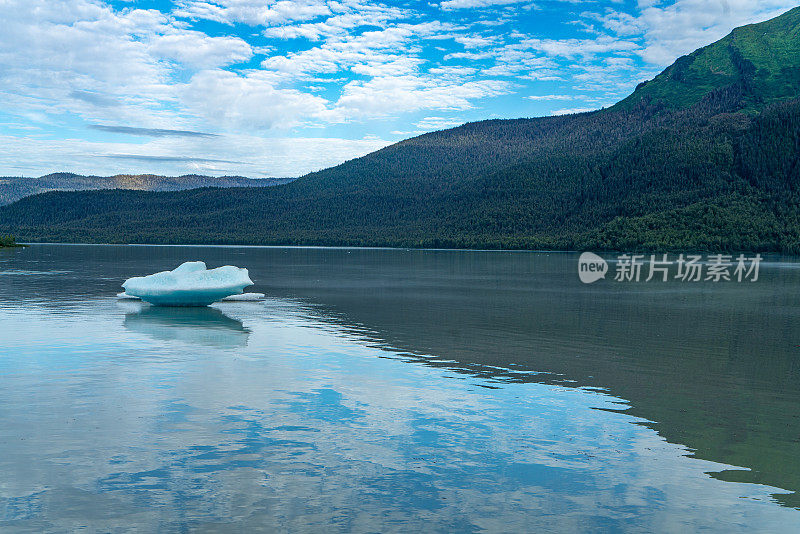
(189,284)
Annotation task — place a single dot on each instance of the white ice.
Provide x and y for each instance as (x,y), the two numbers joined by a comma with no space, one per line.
(244,297)
(190,284)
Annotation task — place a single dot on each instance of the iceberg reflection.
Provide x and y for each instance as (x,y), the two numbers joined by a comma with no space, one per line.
(196,326)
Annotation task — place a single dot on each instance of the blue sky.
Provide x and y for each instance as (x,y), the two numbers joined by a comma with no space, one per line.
(281,88)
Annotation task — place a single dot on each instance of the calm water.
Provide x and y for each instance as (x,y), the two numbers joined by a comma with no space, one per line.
(389,390)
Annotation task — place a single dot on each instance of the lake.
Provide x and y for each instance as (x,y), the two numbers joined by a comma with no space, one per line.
(395,390)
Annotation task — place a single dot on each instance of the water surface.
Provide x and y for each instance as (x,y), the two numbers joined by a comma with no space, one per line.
(391,390)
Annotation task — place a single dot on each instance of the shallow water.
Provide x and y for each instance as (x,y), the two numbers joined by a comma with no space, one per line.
(391,390)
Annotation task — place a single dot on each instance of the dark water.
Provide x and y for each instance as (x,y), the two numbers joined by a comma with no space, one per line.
(389,390)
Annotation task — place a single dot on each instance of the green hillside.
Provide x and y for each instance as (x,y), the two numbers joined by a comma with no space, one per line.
(705,156)
(760,60)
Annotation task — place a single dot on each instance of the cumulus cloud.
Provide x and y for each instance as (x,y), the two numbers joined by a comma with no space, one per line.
(85,58)
(78,47)
(250,101)
(199,50)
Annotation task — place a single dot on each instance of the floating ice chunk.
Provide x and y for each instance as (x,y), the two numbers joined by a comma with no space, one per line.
(190,284)
(244,297)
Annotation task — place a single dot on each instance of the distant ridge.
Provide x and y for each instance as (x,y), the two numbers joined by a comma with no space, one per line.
(706,156)
(13,188)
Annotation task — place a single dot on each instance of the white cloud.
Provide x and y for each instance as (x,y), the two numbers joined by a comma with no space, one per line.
(550,97)
(572,48)
(353,14)
(248,102)
(437,123)
(472,56)
(197,49)
(120,67)
(465,4)
(453,71)
(475,41)
(622,24)
(253,12)
(392,51)
(368,53)
(387,96)
(514,59)
(76,49)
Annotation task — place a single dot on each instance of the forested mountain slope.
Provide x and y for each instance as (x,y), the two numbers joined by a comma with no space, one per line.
(13,188)
(705,156)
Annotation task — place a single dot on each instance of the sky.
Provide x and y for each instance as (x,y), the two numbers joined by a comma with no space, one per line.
(284,87)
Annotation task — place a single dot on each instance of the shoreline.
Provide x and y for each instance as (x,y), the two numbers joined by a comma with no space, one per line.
(317,247)
(407,249)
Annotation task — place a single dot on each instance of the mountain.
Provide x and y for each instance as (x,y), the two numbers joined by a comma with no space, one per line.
(704,156)
(13,188)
